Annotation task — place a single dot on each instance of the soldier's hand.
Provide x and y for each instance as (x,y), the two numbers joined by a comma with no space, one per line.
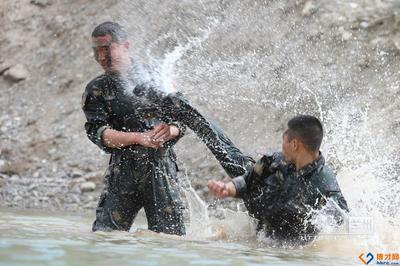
(221,190)
(164,132)
(146,139)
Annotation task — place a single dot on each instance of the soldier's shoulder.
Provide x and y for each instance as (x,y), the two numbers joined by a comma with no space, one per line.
(93,89)
(98,83)
(268,163)
(327,172)
(271,158)
(326,179)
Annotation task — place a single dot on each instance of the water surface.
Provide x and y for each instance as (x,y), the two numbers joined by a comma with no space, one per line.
(38,238)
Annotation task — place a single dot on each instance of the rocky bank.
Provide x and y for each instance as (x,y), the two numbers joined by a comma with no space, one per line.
(238,62)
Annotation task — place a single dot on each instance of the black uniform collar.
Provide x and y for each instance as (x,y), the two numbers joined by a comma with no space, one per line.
(316,164)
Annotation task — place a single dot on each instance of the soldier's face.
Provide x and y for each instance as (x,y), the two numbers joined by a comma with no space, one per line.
(287,148)
(111,56)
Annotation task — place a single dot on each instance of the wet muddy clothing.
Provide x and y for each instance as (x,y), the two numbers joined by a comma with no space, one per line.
(285,201)
(137,176)
(234,162)
(145,177)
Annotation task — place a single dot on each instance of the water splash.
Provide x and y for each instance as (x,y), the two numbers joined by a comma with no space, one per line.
(163,72)
(254,70)
(199,221)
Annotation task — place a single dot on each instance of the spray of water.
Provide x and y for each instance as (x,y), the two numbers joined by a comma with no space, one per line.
(162,70)
(279,73)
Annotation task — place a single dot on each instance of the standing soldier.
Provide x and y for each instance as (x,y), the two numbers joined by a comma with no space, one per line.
(139,125)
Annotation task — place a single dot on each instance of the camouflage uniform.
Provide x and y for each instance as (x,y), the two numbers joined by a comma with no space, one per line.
(145,177)
(285,200)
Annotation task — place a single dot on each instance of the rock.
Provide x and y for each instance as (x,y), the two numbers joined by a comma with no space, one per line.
(87,186)
(308,9)
(52,151)
(35,194)
(90,205)
(76,173)
(16,73)
(95,177)
(364,25)
(75,189)
(17,198)
(12,168)
(14,178)
(377,41)
(385,45)
(78,180)
(32,187)
(396,41)
(4,66)
(346,35)
(353,5)
(58,203)
(75,199)
(41,3)
(57,25)
(2,182)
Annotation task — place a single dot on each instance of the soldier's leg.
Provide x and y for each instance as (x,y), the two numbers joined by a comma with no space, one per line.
(163,218)
(115,212)
(118,204)
(162,201)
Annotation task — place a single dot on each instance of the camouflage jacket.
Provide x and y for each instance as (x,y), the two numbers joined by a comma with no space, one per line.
(285,200)
(124,105)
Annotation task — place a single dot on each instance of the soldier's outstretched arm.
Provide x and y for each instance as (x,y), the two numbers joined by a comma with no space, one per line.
(220,189)
(234,162)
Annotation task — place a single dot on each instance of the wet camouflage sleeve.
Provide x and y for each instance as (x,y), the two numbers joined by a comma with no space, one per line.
(331,193)
(341,201)
(234,162)
(181,126)
(329,188)
(253,177)
(94,107)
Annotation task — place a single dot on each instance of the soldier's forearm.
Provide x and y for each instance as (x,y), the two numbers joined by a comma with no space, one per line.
(118,139)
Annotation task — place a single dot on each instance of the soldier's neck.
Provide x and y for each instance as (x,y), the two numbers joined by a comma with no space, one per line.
(304,158)
(124,69)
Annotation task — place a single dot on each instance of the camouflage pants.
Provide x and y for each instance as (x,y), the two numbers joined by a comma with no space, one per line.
(132,183)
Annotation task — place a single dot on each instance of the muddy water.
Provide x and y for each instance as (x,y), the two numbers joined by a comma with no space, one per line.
(254,70)
(40,238)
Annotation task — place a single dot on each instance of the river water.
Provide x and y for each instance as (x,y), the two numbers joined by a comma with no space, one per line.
(250,65)
(40,238)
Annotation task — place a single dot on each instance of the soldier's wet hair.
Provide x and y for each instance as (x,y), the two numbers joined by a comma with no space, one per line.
(116,31)
(308,129)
